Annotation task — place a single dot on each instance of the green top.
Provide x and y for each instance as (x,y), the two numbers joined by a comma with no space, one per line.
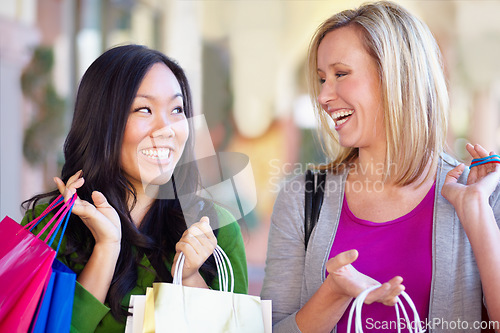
(90,315)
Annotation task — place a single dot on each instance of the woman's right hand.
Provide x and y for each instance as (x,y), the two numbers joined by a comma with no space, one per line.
(104,224)
(343,279)
(197,243)
(100,217)
(343,283)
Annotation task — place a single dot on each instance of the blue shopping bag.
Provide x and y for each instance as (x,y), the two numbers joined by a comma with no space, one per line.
(57,305)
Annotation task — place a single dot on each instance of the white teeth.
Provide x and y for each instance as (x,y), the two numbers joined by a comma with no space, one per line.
(158,153)
(340,122)
(336,115)
(339,114)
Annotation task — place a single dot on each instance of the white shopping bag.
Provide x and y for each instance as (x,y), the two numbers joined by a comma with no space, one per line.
(135,321)
(358,304)
(267,315)
(171,307)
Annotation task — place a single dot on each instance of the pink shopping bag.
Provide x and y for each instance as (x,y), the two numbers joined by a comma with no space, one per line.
(25,269)
(25,265)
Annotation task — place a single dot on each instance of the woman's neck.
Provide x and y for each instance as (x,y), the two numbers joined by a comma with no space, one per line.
(370,166)
(143,203)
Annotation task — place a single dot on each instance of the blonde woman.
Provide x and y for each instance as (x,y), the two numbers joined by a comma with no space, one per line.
(397,210)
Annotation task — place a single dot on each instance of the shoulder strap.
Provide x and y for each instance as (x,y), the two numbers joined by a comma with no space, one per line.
(314,192)
(308,203)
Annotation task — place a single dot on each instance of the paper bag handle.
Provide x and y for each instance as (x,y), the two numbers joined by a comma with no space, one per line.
(358,304)
(223,267)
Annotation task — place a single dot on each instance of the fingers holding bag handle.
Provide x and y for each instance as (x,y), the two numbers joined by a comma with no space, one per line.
(224,269)
(100,217)
(357,304)
(196,245)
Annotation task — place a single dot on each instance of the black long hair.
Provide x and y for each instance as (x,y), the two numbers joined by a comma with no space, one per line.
(94,142)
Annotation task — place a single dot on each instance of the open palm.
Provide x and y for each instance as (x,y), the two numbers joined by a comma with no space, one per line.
(482,180)
(344,279)
(100,217)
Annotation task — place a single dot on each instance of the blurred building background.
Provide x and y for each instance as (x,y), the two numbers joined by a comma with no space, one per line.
(245,61)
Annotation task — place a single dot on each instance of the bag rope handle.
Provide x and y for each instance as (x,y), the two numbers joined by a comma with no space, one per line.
(221,271)
(179,265)
(57,202)
(223,267)
(484,160)
(61,218)
(63,213)
(225,263)
(358,302)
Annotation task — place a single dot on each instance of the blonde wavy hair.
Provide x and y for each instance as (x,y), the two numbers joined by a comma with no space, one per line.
(414,89)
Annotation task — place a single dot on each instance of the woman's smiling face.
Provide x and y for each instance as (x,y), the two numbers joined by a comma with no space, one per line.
(156,130)
(350,88)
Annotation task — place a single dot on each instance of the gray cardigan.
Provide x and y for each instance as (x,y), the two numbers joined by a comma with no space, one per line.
(293,275)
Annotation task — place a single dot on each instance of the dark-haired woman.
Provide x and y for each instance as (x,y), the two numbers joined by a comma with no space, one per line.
(129,157)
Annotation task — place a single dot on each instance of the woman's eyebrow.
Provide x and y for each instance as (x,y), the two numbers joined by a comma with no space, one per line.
(335,64)
(178,95)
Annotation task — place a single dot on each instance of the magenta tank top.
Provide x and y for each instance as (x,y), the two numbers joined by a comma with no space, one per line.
(399,247)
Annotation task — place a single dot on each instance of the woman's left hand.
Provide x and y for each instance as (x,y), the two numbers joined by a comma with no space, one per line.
(471,202)
(197,243)
(481,182)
